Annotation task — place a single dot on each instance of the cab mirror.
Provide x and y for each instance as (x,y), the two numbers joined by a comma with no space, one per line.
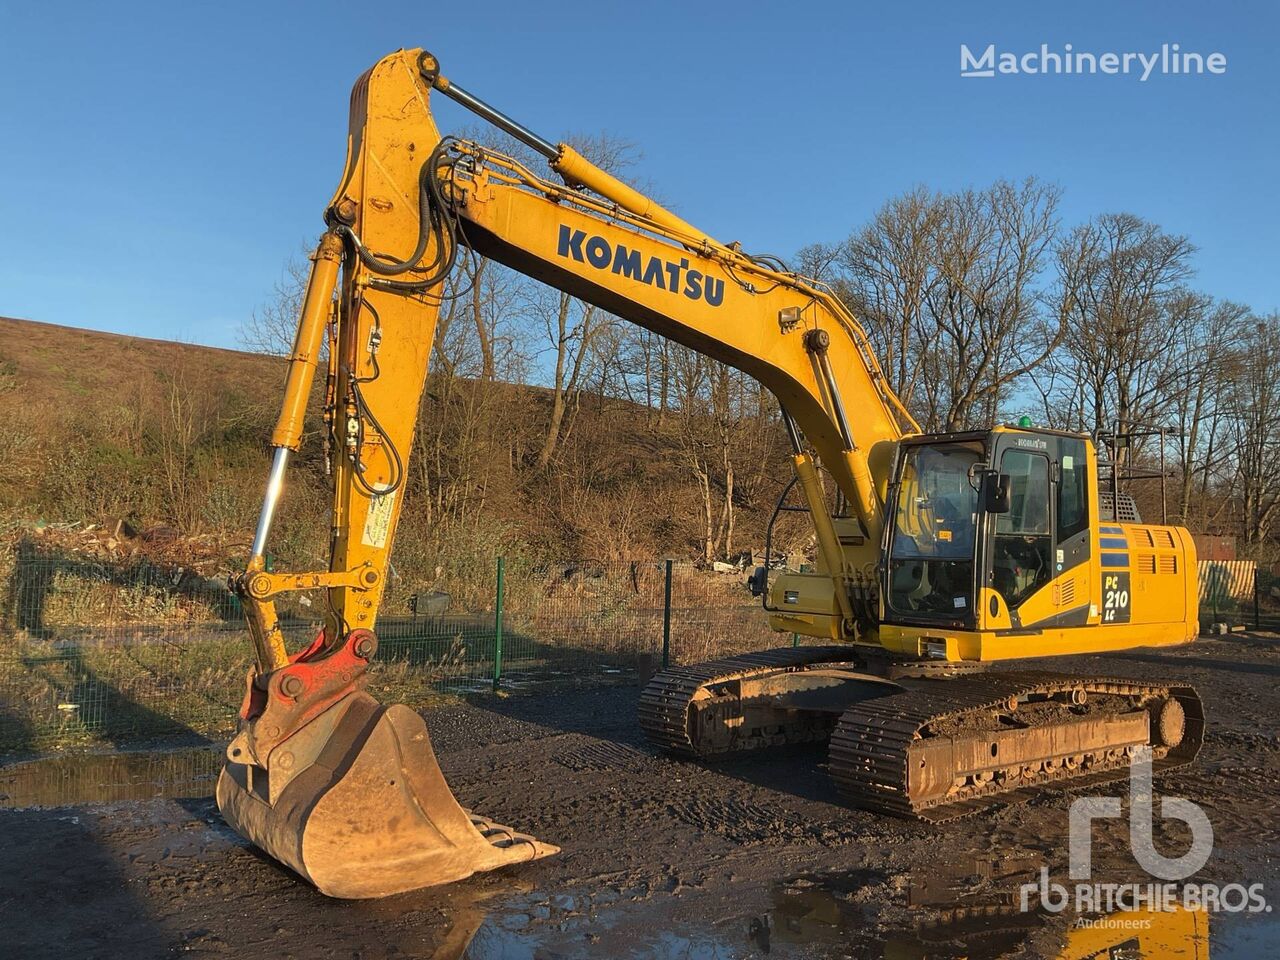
(995,492)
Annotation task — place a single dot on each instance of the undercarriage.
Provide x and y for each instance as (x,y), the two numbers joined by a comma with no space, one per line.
(930,740)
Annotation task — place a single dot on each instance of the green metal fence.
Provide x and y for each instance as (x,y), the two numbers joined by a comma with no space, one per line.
(103,653)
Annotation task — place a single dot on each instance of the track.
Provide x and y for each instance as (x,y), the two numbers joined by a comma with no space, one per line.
(875,742)
(156,877)
(666,700)
(884,752)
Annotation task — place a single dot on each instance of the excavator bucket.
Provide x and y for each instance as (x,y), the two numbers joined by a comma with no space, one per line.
(370,814)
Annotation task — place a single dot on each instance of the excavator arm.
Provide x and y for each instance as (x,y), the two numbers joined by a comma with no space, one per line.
(343,790)
(410,198)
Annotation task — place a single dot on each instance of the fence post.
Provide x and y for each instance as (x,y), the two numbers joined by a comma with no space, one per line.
(666,620)
(1257,618)
(497,626)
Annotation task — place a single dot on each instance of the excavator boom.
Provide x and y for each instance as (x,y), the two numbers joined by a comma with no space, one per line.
(346,792)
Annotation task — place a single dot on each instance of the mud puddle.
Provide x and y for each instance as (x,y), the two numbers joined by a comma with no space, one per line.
(981,913)
(971,910)
(534,925)
(88,778)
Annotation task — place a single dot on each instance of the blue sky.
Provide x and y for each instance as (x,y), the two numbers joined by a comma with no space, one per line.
(162,162)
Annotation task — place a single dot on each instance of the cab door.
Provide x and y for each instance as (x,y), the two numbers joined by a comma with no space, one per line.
(1036,554)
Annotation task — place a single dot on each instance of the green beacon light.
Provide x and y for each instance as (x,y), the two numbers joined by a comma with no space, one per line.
(1024,422)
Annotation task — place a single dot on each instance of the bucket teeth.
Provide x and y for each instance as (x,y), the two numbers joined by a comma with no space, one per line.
(372,814)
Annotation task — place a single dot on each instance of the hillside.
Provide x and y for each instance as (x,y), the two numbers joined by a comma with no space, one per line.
(113,427)
(59,367)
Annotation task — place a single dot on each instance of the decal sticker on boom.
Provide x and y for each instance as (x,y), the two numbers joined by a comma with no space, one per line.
(674,276)
(377,522)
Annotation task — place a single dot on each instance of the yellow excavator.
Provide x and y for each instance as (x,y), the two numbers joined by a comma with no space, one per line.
(944,553)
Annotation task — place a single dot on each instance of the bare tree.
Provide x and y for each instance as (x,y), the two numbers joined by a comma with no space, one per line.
(645,360)
(728,431)
(888,268)
(1255,400)
(571,325)
(465,434)
(948,286)
(1119,281)
(1205,346)
(819,261)
(983,329)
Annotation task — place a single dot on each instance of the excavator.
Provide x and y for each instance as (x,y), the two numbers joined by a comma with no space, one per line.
(944,553)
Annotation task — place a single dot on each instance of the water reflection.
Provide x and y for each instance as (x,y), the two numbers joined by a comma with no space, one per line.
(971,911)
(535,925)
(110,777)
(498,916)
(1140,935)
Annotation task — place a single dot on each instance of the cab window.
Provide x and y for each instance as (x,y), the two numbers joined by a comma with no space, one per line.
(930,571)
(1073,491)
(1023,554)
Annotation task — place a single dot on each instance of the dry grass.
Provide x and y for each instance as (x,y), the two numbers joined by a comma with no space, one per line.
(104,658)
(108,693)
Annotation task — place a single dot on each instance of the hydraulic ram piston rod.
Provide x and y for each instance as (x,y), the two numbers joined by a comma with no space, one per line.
(430,68)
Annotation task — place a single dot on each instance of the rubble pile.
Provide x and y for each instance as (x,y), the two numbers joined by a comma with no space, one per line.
(118,542)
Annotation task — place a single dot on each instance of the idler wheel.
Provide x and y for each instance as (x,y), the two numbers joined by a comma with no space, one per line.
(1170,723)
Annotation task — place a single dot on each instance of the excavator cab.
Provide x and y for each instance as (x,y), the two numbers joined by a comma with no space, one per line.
(982,523)
(997,546)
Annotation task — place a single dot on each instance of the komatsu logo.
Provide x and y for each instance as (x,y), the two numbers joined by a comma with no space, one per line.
(674,276)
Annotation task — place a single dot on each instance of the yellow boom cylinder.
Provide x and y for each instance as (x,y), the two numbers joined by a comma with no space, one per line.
(865,503)
(578,170)
(823,528)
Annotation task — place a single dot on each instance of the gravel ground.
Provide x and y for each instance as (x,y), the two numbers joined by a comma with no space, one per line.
(660,858)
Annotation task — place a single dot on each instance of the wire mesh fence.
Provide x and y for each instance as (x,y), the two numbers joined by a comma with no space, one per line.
(1266,601)
(101,653)
(107,653)
(1240,594)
